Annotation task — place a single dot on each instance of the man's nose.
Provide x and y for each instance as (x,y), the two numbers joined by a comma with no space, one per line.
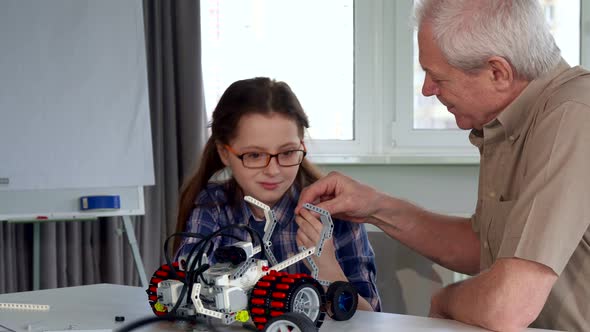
(429,87)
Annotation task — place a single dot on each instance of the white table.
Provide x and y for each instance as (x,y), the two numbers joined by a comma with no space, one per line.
(94,307)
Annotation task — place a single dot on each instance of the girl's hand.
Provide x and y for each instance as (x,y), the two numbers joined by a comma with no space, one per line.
(308,236)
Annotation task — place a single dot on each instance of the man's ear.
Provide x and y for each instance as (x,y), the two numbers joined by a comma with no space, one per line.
(502,74)
(223,154)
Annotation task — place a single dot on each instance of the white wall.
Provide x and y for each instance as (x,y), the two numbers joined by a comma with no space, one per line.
(441,188)
(405,279)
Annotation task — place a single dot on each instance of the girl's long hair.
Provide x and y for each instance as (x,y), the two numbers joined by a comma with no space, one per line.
(259,95)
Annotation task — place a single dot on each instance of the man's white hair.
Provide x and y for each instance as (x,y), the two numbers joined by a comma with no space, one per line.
(468,32)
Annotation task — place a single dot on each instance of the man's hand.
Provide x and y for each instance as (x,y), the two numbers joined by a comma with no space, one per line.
(342,196)
(438,307)
(507,297)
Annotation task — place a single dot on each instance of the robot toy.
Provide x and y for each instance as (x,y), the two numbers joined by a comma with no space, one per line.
(240,287)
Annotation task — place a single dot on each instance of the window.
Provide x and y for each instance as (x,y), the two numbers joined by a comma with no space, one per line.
(311,50)
(353,66)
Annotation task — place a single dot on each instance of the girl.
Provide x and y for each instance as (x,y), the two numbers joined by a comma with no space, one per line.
(257,135)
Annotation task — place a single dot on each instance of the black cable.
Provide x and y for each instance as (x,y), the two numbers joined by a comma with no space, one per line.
(196,263)
(7,328)
(167,257)
(187,280)
(205,247)
(197,268)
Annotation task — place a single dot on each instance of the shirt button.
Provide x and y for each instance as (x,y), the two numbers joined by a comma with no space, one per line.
(492,194)
(485,244)
(511,138)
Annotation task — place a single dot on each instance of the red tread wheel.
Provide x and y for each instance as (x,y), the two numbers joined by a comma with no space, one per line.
(280,292)
(161,274)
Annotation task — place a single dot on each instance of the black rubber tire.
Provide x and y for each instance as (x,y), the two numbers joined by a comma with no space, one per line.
(292,320)
(341,300)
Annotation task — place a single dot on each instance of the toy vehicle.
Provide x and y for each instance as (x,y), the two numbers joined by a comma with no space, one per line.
(239,287)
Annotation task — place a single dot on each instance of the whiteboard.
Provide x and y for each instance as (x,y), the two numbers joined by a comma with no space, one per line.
(74,106)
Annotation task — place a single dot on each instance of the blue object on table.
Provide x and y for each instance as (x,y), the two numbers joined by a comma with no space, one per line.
(107,202)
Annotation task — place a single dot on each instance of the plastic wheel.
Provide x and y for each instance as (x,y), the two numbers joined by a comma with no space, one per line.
(342,300)
(161,274)
(290,321)
(279,293)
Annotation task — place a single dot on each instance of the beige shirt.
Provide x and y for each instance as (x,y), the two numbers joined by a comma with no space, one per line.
(534,190)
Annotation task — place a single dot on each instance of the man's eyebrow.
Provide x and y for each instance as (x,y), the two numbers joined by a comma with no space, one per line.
(428,70)
(432,73)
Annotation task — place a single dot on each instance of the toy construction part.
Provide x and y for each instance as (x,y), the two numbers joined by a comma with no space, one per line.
(250,288)
(268,214)
(269,227)
(316,209)
(161,274)
(242,316)
(24,306)
(281,293)
(341,300)
(327,229)
(256,202)
(290,321)
(230,254)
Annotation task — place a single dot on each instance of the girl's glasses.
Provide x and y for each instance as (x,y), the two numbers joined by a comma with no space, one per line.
(262,159)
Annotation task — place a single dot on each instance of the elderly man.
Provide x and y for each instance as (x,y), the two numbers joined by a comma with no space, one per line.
(495,66)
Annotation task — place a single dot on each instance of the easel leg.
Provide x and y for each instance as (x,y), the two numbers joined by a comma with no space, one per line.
(136,256)
(36,254)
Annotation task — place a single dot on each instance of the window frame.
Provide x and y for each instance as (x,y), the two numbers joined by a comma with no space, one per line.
(379,97)
(368,60)
(585,33)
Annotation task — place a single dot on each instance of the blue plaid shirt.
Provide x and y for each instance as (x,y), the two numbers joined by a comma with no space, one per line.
(353,250)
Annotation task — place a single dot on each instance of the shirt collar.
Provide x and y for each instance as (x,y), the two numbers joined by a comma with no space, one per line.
(514,116)
(512,119)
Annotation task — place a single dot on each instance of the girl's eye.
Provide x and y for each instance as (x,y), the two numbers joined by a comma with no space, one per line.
(287,153)
(253,155)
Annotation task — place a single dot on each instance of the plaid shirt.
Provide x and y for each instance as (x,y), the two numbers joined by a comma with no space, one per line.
(353,250)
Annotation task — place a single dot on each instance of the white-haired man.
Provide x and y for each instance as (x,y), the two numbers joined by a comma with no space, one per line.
(495,66)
